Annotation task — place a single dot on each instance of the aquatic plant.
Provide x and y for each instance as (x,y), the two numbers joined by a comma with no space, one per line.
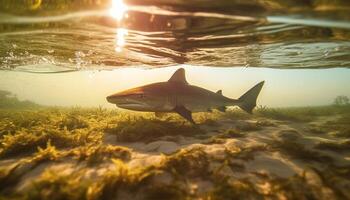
(231,133)
(233,189)
(210,122)
(190,162)
(71,122)
(207,118)
(300,114)
(298,151)
(235,114)
(337,179)
(284,114)
(75,135)
(265,123)
(49,153)
(123,182)
(97,154)
(300,186)
(316,129)
(27,141)
(339,126)
(221,137)
(56,186)
(334,146)
(146,130)
(246,153)
(248,126)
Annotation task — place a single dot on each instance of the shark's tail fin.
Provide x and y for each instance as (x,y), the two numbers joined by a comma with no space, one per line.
(248,99)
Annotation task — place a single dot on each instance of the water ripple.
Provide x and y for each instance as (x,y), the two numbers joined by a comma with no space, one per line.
(161,35)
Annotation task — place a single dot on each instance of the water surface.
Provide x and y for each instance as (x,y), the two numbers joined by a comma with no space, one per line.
(40,36)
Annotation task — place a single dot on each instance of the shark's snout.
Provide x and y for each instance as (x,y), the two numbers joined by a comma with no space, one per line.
(109,98)
(115,99)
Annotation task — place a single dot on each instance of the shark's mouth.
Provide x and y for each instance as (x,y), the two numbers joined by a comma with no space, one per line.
(134,106)
(130,104)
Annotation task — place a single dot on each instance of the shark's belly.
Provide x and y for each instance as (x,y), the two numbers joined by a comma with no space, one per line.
(199,107)
(172,101)
(199,104)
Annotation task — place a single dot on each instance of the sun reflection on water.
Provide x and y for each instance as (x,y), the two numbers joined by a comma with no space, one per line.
(121,33)
(118,9)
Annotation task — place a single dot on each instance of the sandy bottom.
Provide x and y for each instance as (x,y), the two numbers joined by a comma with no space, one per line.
(279,151)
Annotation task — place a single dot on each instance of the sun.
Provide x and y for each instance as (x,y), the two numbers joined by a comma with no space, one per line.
(118,9)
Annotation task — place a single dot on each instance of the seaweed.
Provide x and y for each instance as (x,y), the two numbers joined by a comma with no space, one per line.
(189,162)
(334,146)
(26,141)
(221,137)
(55,186)
(246,153)
(125,183)
(248,126)
(225,188)
(301,114)
(147,130)
(97,154)
(59,135)
(298,151)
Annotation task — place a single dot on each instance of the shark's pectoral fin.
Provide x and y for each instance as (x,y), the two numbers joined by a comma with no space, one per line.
(185,113)
(221,108)
(159,114)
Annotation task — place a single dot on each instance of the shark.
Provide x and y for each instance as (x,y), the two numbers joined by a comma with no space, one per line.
(178,96)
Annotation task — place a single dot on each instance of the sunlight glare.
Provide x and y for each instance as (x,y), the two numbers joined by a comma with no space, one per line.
(118,9)
(121,33)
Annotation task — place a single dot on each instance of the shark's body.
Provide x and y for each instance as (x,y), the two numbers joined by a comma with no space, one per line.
(176,95)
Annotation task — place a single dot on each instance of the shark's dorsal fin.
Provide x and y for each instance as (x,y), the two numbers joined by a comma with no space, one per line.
(179,76)
(219,92)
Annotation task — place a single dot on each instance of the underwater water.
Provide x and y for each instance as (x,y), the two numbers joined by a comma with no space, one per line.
(61,139)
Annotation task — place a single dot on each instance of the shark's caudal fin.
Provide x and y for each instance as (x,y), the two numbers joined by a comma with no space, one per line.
(248,99)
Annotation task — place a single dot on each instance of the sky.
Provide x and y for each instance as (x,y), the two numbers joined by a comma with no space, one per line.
(283,87)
